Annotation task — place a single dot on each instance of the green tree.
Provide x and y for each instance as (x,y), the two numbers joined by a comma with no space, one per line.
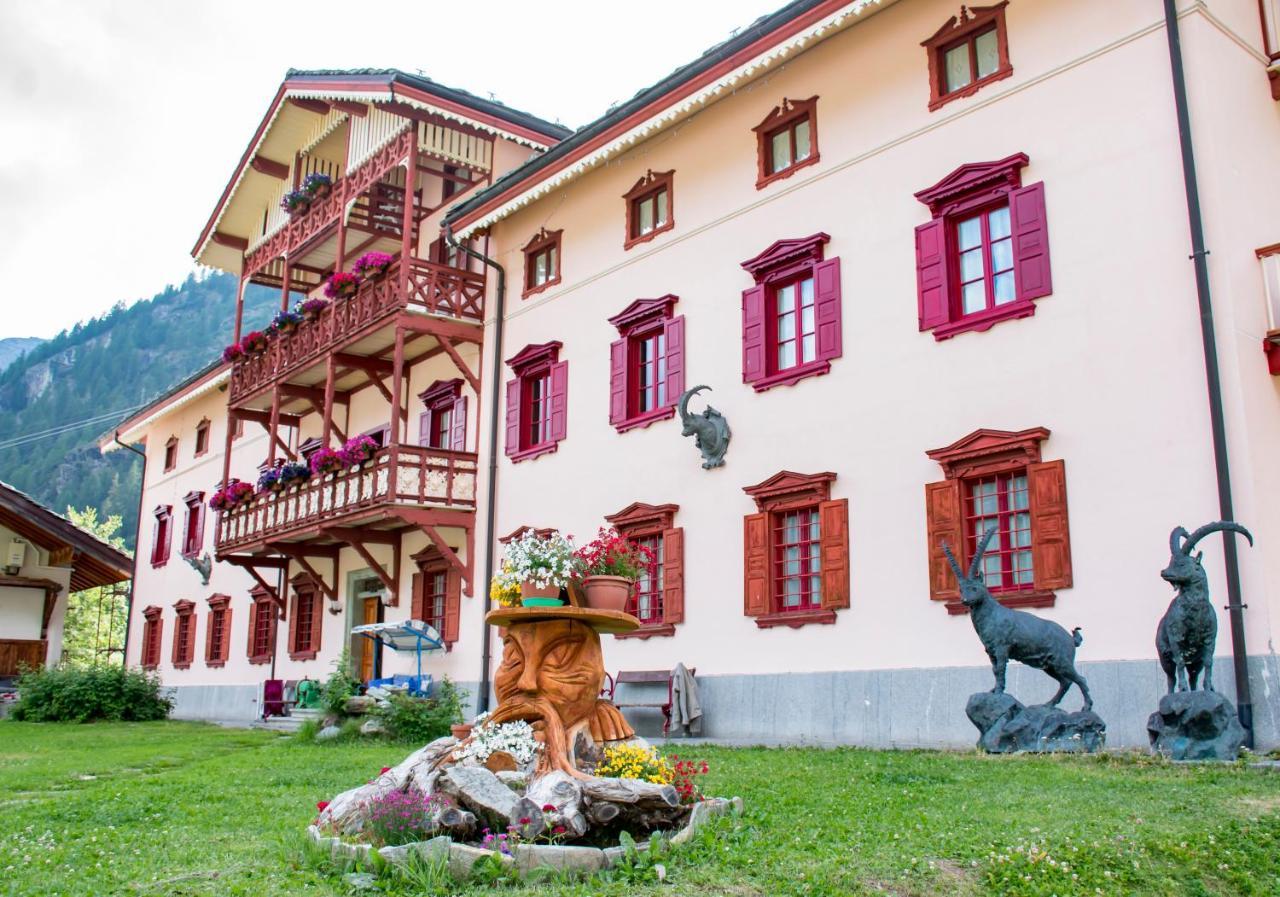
(93,632)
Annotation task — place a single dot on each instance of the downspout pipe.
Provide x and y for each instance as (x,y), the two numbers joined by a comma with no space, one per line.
(128,610)
(491,502)
(1199,257)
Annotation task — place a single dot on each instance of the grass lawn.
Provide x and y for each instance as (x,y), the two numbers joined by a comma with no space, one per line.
(184,809)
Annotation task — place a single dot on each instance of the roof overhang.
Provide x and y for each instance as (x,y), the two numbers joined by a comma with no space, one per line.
(133,429)
(93,562)
(698,85)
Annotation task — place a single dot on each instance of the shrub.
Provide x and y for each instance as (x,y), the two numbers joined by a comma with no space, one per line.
(83,695)
(420,720)
(339,686)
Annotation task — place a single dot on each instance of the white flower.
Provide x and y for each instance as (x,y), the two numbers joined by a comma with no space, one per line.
(514,738)
(543,561)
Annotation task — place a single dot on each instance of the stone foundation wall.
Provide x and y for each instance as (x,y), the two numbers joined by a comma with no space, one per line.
(239,703)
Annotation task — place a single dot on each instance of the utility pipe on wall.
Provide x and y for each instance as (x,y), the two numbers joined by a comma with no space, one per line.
(486,639)
(128,610)
(1240,655)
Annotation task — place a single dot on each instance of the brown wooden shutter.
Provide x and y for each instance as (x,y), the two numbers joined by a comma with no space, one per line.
(208,637)
(254,610)
(945,522)
(224,647)
(175,656)
(157,639)
(1050,537)
(317,620)
(416,604)
(293,624)
(452,605)
(834,521)
(673,575)
(755,564)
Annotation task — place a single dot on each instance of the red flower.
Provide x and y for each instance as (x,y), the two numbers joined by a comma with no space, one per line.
(384,770)
(322,805)
(548,808)
(559,830)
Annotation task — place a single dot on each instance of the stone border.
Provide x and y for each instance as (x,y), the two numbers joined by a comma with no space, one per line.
(526,857)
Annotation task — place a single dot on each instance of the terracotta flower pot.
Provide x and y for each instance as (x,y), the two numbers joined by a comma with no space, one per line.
(501,761)
(462,731)
(539,596)
(607,592)
(321,192)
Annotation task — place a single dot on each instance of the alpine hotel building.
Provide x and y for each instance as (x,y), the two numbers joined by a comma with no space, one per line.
(937,266)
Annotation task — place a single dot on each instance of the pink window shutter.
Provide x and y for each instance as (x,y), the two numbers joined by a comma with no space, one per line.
(1030,242)
(826,299)
(559,400)
(458,425)
(753,334)
(617,381)
(513,416)
(675,358)
(933,290)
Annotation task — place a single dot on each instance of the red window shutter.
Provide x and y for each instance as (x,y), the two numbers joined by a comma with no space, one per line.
(675,358)
(673,575)
(224,647)
(945,522)
(199,535)
(933,283)
(1050,537)
(617,381)
(157,640)
(175,656)
(452,605)
(253,625)
(753,334)
(1030,242)
(458,425)
(513,416)
(155,540)
(317,620)
(293,624)
(756,564)
(826,290)
(424,428)
(834,523)
(416,606)
(208,636)
(559,400)
(166,538)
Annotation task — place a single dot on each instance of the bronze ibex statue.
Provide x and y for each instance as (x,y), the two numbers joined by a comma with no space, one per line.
(709,429)
(1017,635)
(1188,631)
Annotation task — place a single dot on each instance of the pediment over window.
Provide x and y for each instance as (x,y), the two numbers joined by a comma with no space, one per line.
(1002,175)
(643,310)
(219,601)
(184,606)
(785,253)
(786,486)
(541,532)
(535,353)
(151,612)
(442,389)
(640,515)
(984,451)
(542,238)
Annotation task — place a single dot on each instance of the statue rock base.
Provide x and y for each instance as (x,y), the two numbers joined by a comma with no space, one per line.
(1007,726)
(1196,725)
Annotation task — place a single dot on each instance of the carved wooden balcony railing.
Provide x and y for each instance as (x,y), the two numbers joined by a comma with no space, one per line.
(437,289)
(324,212)
(398,475)
(16,653)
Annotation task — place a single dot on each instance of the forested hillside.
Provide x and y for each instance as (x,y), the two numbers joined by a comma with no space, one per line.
(57,399)
(12,347)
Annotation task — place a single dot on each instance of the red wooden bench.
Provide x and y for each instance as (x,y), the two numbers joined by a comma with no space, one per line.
(642,677)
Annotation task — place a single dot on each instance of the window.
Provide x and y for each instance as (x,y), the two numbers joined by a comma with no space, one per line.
(649,207)
(202,437)
(217,644)
(152,629)
(791,318)
(308,617)
(443,425)
(193,535)
(787,140)
(184,634)
(542,262)
(237,427)
(995,479)
(171,454)
(379,435)
(536,401)
(262,625)
(985,254)
(1269,256)
(161,536)
(796,550)
(658,598)
(437,593)
(646,364)
(967,53)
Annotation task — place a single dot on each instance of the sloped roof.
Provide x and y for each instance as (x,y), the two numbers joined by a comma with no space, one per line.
(95,563)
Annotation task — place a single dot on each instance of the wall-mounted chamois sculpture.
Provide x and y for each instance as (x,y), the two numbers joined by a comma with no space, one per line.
(1188,631)
(1017,635)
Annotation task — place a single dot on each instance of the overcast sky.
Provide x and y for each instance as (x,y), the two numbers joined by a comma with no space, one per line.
(123,118)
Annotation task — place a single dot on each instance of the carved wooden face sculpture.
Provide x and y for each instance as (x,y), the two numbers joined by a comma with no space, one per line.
(551,671)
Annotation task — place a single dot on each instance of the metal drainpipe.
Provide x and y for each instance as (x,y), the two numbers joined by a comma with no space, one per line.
(491,505)
(128,610)
(1244,698)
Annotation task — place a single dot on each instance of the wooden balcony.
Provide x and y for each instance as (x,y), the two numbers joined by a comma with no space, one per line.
(432,289)
(397,477)
(16,654)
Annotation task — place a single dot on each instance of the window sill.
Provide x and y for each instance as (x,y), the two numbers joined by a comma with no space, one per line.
(258,661)
(151,666)
(796,618)
(533,291)
(302,655)
(156,565)
(535,451)
(182,666)
(644,420)
(1029,598)
(792,375)
(190,554)
(215,664)
(645,238)
(970,89)
(648,631)
(983,321)
(787,172)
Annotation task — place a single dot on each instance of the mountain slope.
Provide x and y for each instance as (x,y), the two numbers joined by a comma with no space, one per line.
(57,399)
(13,346)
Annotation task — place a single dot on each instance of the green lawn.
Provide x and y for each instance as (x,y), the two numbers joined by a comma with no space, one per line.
(183,809)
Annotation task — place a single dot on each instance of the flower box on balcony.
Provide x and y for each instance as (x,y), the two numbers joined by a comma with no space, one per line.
(372,265)
(296,202)
(341,285)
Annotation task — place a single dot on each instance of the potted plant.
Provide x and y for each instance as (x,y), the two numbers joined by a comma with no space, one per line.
(311,308)
(341,285)
(371,265)
(504,590)
(254,342)
(296,202)
(326,460)
(317,185)
(231,495)
(286,321)
(460,731)
(359,449)
(233,353)
(270,479)
(608,567)
(294,474)
(541,565)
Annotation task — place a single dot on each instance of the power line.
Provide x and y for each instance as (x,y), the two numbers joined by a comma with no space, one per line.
(28,438)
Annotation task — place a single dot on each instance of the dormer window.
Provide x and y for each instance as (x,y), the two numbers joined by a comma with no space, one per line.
(649,209)
(967,53)
(171,454)
(202,437)
(542,262)
(787,140)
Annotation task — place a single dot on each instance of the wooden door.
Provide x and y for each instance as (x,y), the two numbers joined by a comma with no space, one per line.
(367,647)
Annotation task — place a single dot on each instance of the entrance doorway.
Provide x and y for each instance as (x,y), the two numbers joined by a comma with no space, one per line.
(366,654)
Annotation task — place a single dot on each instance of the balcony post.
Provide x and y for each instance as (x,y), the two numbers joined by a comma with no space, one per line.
(274,426)
(284,288)
(240,307)
(397,375)
(410,182)
(328,401)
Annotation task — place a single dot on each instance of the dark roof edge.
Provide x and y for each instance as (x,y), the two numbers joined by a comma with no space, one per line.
(82,540)
(164,396)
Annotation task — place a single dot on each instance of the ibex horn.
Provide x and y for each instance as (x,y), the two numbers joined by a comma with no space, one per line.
(981,550)
(1216,526)
(951,559)
(1176,539)
(684,400)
